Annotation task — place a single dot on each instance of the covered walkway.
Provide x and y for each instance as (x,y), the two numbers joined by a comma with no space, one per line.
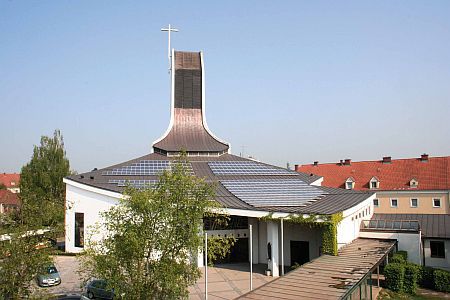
(331,277)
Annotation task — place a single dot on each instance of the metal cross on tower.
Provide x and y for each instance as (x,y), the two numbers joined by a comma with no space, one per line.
(169,29)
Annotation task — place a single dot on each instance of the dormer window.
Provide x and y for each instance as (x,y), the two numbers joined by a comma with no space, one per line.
(413,183)
(374,183)
(350,183)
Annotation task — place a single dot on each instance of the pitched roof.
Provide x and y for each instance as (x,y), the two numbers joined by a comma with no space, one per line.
(431,225)
(431,174)
(326,201)
(10,180)
(7,197)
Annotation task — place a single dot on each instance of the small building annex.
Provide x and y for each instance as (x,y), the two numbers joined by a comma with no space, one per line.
(249,190)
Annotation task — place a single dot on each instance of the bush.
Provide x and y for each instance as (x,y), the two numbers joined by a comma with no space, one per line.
(395,275)
(410,280)
(397,259)
(403,253)
(442,280)
(426,277)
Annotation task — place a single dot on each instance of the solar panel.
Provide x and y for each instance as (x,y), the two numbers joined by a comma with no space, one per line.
(273,192)
(133,182)
(246,168)
(145,167)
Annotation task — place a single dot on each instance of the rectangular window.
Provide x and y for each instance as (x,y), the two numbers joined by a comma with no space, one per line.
(79,230)
(376,203)
(414,202)
(436,202)
(349,185)
(373,184)
(437,249)
(394,203)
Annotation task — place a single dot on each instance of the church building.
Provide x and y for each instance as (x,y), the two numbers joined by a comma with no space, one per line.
(251,192)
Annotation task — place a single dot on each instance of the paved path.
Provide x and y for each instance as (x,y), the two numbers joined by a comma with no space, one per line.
(228,281)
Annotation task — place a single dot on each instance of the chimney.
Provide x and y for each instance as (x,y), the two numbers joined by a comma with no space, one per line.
(341,162)
(316,163)
(296,167)
(424,157)
(386,160)
(348,162)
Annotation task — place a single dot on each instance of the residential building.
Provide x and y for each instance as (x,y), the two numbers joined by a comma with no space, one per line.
(8,201)
(10,181)
(403,186)
(251,192)
(411,202)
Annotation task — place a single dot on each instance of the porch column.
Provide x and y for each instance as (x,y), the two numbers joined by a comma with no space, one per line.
(272,239)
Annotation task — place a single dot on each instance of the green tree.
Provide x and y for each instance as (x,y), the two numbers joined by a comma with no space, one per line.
(151,238)
(25,234)
(2,186)
(42,190)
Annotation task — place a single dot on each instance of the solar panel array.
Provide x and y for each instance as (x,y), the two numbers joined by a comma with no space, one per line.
(133,182)
(144,167)
(246,168)
(273,192)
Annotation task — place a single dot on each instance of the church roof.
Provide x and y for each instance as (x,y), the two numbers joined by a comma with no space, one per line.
(241,183)
(247,184)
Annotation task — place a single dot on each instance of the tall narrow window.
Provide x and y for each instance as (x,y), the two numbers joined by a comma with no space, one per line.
(376,203)
(436,202)
(394,203)
(414,202)
(79,230)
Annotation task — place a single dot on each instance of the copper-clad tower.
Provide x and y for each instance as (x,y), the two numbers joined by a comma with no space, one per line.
(188,130)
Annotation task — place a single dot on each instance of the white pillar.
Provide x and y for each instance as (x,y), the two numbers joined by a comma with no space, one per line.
(282,249)
(272,238)
(255,252)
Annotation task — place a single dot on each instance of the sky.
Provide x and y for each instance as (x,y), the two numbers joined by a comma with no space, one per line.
(286,81)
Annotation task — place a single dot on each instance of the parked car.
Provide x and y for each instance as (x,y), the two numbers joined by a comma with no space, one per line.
(50,277)
(97,289)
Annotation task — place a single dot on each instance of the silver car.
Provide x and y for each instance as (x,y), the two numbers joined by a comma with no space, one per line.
(50,277)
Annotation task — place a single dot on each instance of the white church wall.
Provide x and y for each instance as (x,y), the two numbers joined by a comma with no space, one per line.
(83,199)
(349,228)
(262,242)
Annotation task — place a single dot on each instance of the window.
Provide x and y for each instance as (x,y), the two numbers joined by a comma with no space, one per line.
(437,249)
(394,203)
(349,185)
(79,230)
(414,202)
(436,202)
(376,203)
(373,184)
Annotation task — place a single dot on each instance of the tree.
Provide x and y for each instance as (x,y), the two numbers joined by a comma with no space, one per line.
(42,190)
(25,234)
(151,236)
(2,186)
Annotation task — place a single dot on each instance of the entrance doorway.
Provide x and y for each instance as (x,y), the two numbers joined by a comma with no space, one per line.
(299,252)
(238,253)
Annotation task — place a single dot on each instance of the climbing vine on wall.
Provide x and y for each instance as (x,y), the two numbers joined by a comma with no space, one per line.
(328,223)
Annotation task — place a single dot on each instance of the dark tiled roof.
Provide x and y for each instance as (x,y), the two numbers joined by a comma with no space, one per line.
(432,226)
(431,174)
(327,277)
(332,200)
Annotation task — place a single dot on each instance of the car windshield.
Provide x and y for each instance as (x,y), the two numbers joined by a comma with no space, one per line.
(52,270)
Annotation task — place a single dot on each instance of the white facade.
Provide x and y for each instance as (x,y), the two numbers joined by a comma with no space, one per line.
(441,263)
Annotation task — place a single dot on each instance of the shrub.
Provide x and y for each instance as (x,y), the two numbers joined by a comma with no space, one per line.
(395,274)
(410,280)
(397,259)
(403,253)
(426,277)
(442,280)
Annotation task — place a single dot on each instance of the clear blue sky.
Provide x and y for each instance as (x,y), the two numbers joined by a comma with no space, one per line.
(285,81)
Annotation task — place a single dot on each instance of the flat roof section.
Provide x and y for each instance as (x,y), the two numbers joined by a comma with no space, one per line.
(327,277)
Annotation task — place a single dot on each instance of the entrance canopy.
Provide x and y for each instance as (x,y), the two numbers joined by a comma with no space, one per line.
(328,277)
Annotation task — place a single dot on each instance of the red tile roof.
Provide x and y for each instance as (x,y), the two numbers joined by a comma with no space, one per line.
(431,174)
(7,197)
(8,180)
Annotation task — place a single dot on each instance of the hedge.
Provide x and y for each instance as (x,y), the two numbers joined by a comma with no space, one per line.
(410,281)
(426,277)
(397,258)
(442,280)
(403,253)
(395,275)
